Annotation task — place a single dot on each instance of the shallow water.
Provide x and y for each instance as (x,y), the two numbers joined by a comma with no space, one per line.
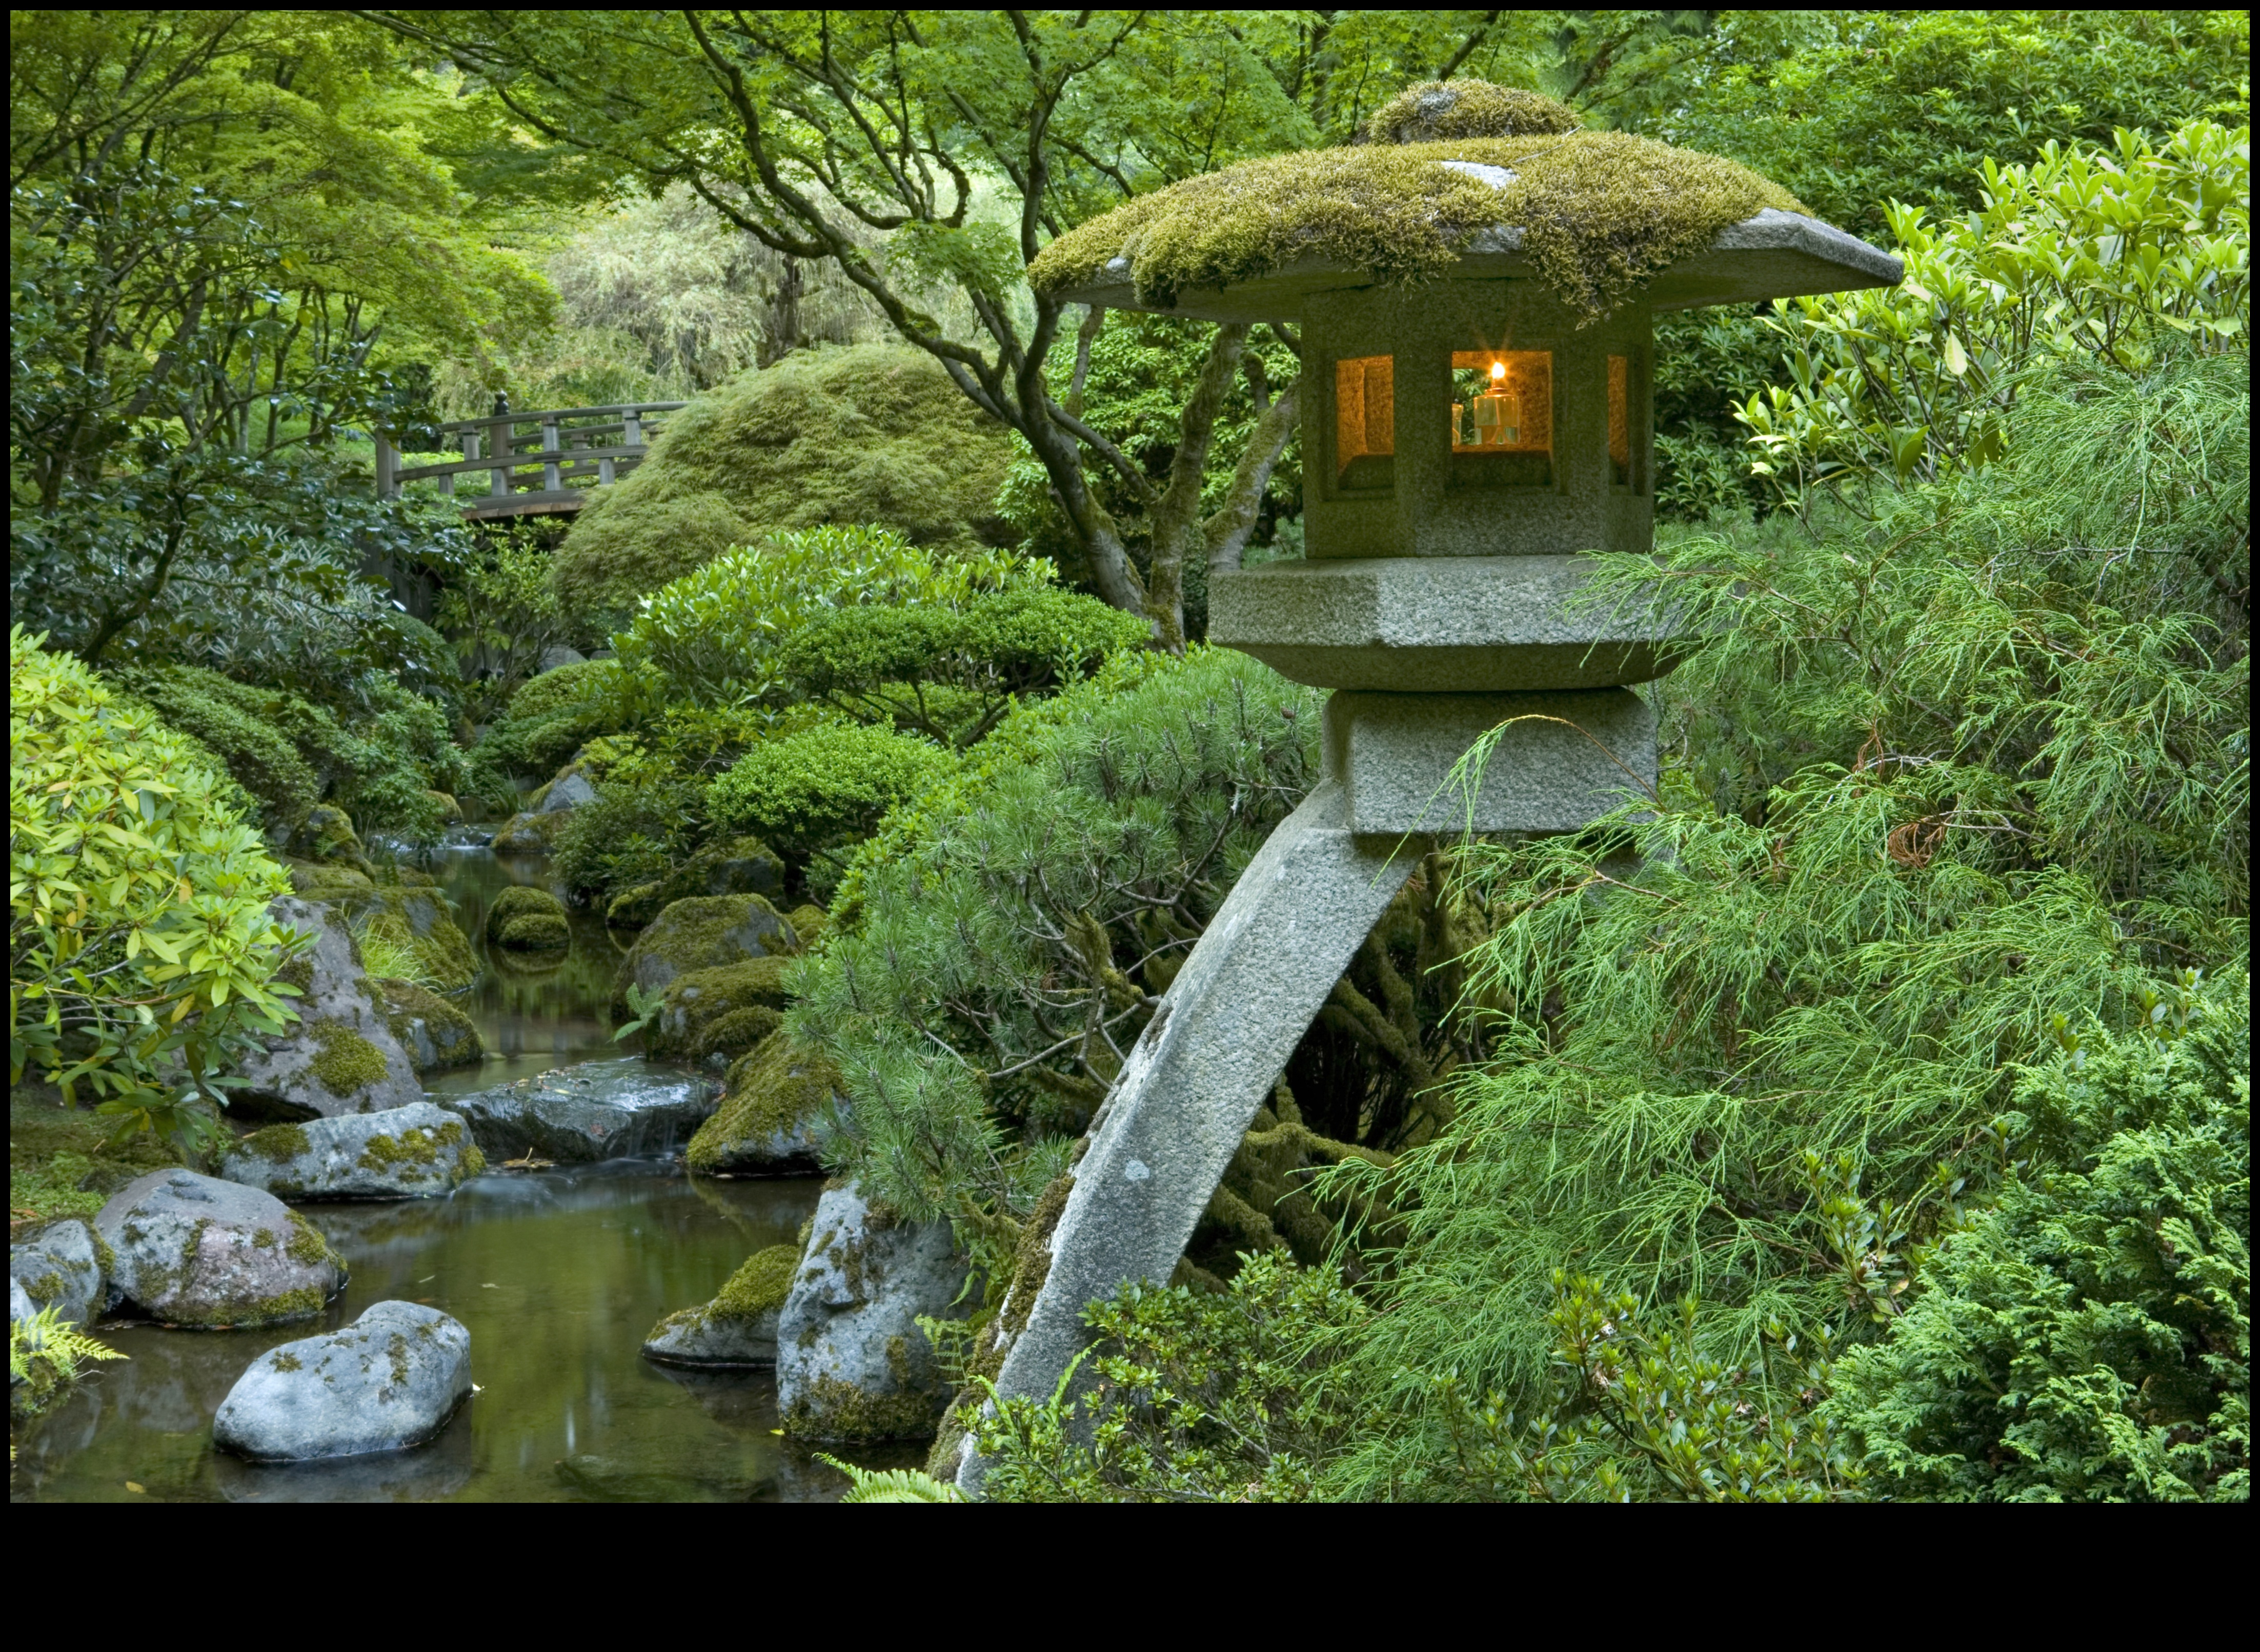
(559,1276)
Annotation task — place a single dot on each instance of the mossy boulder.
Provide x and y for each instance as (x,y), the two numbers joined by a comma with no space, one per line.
(342,1056)
(412,1152)
(538,933)
(323,881)
(422,920)
(771,1119)
(523,919)
(741,866)
(210,1255)
(719,1012)
(809,923)
(434,1031)
(852,1362)
(529,833)
(872,433)
(60,1266)
(739,1327)
(705,933)
(326,834)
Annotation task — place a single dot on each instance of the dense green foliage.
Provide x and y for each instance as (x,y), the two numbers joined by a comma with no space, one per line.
(2088,1335)
(141,955)
(804,793)
(1027,914)
(873,434)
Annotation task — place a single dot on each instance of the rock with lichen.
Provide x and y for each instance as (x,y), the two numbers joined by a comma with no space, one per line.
(60,1267)
(420,921)
(851,1363)
(739,1327)
(706,933)
(529,833)
(771,1121)
(436,1033)
(716,1015)
(326,835)
(589,1111)
(342,1056)
(739,866)
(413,1152)
(390,1380)
(211,1254)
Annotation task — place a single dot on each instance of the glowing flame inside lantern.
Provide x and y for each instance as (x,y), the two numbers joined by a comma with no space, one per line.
(1498,412)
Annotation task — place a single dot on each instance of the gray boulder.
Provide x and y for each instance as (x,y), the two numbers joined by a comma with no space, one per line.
(390,1380)
(569,792)
(739,1327)
(707,931)
(195,1251)
(60,1268)
(851,1363)
(342,1057)
(411,1152)
(591,1111)
(558,654)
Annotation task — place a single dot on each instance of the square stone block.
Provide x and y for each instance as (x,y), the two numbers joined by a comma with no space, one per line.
(1561,759)
(1433,624)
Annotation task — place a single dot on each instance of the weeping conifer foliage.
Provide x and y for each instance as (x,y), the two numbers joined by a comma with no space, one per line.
(1933,778)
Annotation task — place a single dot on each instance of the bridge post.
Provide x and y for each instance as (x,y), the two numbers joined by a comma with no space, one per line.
(387,468)
(499,447)
(551,482)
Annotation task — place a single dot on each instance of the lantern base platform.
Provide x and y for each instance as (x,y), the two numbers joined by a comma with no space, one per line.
(1433,624)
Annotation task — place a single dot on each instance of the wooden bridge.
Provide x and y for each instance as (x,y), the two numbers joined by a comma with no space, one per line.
(535,463)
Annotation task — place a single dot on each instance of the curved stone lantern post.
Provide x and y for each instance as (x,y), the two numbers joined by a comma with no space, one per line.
(1464,439)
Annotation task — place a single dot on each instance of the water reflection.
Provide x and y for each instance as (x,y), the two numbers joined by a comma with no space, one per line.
(558,1278)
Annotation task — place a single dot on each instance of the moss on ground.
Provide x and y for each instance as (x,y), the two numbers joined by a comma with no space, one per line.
(344,1060)
(777,1087)
(873,434)
(59,1167)
(1600,211)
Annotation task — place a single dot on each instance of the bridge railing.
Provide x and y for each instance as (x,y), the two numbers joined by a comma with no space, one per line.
(533,464)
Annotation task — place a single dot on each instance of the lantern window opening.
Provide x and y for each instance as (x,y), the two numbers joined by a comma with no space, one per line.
(1502,418)
(1365,423)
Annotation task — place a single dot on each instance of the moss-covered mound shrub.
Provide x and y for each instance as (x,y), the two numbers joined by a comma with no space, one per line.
(872,433)
(138,933)
(550,718)
(1600,212)
(710,932)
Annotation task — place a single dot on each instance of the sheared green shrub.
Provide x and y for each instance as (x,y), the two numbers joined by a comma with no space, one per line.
(872,433)
(566,688)
(141,950)
(806,793)
(951,674)
(2086,1337)
(712,638)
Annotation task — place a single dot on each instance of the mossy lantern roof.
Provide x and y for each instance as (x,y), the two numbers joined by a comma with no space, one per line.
(1461,180)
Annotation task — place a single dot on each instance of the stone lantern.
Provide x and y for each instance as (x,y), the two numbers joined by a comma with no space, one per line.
(1465,436)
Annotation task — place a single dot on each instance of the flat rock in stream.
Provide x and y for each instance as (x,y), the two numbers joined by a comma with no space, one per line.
(413,1152)
(591,1111)
(388,1381)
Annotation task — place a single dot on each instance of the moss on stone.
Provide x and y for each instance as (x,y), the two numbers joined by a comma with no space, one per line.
(277,1142)
(414,1149)
(1600,212)
(778,1087)
(738,866)
(759,1285)
(475,1162)
(540,932)
(828,1409)
(808,924)
(344,1060)
(264,1239)
(307,1245)
(520,900)
(60,1164)
(531,834)
(704,932)
(452,1036)
(719,1011)
(284,1360)
(422,920)
(320,881)
(1438,110)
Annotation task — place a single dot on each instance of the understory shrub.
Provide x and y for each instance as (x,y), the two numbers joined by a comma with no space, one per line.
(873,434)
(805,794)
(141,953)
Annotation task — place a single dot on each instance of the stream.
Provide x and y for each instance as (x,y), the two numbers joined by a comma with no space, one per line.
(559,1275)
